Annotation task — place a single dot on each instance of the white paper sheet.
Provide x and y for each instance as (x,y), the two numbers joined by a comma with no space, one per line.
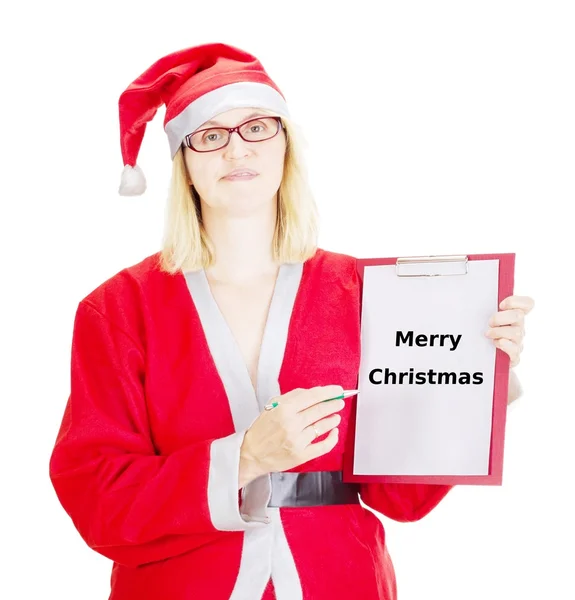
(426,429)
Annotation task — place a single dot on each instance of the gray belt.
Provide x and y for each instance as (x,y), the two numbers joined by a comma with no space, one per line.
(315,488)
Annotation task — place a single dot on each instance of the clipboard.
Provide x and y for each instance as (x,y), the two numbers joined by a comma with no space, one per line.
(445,266)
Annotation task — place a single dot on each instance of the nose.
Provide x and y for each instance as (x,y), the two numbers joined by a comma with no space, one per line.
(236,148)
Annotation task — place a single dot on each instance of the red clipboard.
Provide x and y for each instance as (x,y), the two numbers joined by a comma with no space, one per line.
(500,387)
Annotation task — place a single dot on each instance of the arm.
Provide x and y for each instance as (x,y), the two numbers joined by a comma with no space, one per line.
(127,502)
(403,502)
(515,389)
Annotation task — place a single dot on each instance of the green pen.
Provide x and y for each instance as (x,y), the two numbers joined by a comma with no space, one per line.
(346,394)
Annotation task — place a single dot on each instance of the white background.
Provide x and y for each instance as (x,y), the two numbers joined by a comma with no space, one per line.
(475,107)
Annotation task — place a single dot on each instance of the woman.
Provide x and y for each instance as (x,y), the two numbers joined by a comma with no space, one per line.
(166,460)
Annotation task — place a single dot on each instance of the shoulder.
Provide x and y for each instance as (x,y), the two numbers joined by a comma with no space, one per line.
(127,283)
(127,295)
(333,265)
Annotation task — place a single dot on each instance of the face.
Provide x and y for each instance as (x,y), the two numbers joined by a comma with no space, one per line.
(208,170)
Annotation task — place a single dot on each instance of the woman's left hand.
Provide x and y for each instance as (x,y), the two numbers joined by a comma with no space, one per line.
(507,327)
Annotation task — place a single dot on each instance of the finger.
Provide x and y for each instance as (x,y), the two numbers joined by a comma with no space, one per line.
(507,317)
(510,348)
(510,332)
(321,427)
(319,411)
(524,303)
(287,400)
(322,447)
(314,395)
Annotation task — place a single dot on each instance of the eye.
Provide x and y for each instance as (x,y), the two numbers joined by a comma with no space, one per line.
(257,129)
(211,137)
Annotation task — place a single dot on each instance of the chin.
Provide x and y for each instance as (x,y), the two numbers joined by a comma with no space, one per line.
(249,202)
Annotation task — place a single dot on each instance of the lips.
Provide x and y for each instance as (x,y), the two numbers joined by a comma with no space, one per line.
(239,173)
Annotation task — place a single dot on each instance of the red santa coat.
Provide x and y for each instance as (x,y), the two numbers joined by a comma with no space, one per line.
(146,459)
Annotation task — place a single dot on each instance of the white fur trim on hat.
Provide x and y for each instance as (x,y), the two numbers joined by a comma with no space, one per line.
(133,182)
(243,94)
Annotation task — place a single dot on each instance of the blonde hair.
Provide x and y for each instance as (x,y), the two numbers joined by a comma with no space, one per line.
(185,245)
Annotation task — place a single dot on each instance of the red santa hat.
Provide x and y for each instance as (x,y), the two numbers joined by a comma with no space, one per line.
(195,84)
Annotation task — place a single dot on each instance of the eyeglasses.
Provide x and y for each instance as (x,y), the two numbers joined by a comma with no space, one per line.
(215,138)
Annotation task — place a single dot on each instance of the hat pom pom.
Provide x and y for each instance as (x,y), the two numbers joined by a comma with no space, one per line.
(133,182)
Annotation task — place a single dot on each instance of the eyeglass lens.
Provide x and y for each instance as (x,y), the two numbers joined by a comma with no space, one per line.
(255,130)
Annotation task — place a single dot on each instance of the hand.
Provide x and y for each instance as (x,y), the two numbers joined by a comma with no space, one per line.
(284,437)
(507,327)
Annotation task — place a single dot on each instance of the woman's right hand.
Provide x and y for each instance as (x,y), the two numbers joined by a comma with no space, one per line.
(283,437)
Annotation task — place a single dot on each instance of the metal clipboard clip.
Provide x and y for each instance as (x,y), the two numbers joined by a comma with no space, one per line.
(432,266)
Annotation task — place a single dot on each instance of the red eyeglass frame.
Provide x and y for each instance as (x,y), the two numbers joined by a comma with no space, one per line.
(230,130)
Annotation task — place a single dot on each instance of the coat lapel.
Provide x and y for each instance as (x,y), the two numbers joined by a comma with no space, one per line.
(245,403)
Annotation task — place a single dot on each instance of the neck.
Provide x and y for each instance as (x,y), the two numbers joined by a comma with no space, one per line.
(243,244)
